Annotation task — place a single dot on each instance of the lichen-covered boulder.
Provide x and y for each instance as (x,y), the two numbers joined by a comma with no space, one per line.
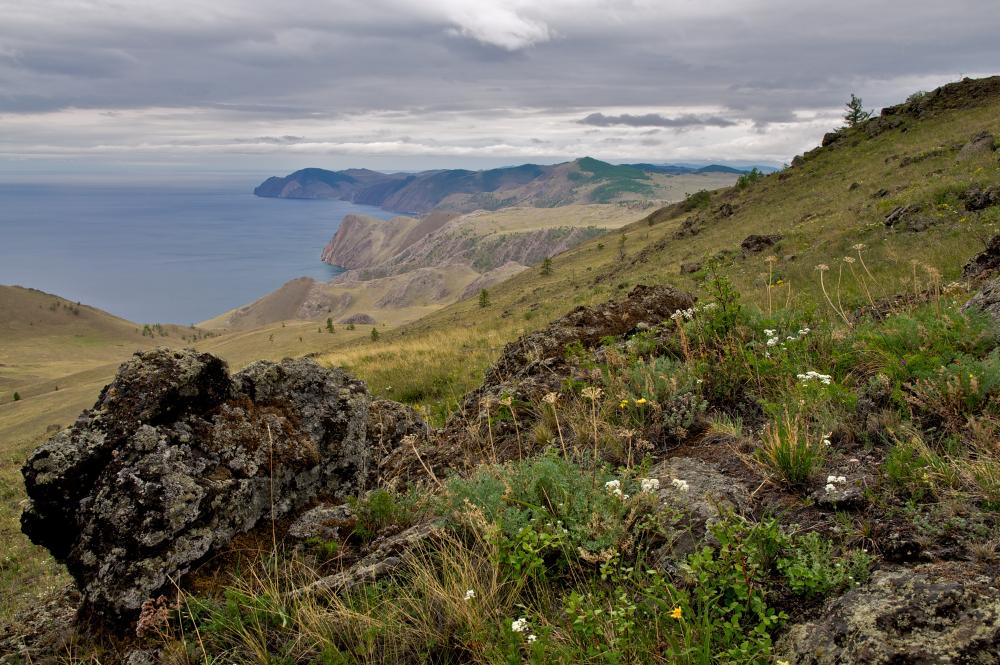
(980,144)
(177,458)
(692,495)
(926,615)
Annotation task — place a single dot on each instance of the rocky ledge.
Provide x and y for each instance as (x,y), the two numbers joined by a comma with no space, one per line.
(177,458)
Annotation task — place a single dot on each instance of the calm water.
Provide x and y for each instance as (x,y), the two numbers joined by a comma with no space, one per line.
(174,253)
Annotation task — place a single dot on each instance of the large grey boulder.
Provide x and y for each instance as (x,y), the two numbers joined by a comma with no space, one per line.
(177,458)
(928,615)
(980,144)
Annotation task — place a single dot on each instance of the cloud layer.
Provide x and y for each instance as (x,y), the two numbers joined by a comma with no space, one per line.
(413,83)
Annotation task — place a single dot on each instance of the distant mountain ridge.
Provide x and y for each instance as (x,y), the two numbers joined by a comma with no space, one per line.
(584,180)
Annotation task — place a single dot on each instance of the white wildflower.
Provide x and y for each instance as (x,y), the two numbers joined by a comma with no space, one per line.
(830,487)
(770,333)
(469,595)
(649,484)
(682,485)
(813,375)
(613,487)
(519,625)
(532,638)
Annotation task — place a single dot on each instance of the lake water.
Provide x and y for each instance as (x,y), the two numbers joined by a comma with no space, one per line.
(170,253)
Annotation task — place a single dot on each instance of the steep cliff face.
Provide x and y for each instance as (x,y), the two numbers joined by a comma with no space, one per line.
(483,253)
(403,268)
(362,241)
(373,249)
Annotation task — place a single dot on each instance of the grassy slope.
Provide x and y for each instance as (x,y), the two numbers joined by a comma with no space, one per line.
(432,361)
(813,207)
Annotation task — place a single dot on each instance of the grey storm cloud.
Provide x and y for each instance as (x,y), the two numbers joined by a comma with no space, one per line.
(656,120)
(466,77)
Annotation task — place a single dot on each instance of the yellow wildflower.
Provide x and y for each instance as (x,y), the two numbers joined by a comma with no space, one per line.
(623,404)
(641,401)
(676,614)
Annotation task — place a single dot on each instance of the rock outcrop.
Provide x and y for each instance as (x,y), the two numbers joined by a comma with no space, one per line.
(928,615)
(527,369)
(986,263)
(698,494)
(588,325)
(758,243)
(980,144)
(980,198)
(987,299)
(177,457)
(908,217)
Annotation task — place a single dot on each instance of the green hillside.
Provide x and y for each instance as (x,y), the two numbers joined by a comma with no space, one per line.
(834,198)
(642,480)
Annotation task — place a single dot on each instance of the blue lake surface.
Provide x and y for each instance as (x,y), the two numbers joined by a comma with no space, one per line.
(170,253)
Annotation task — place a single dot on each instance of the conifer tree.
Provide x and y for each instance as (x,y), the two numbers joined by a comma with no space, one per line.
(856,112)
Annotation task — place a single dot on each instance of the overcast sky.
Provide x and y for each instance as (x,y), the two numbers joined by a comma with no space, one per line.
(105,86)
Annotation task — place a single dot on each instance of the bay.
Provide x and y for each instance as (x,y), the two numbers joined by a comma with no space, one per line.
(163,252)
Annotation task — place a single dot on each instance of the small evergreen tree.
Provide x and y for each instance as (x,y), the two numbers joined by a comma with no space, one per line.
(621,248)
(547,266)
(375,334)
(484,298)
(17,397)
(329,325)
(350,326)
(856,112)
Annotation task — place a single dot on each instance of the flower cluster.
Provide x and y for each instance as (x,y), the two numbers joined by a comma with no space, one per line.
(773,339)
(642,401)
(833,481)
(469,595)
(614,487)
(521,626)
(689,313)
(682,485)
(825,379)
(649,484)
